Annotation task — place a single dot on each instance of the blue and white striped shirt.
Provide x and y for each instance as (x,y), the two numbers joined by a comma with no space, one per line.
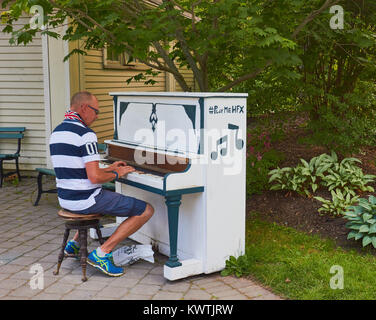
(72,145)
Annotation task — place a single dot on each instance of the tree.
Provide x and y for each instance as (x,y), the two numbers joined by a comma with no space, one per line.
(223,42)
(338,78)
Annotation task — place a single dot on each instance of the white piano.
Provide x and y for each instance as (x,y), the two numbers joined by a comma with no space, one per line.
(189,152)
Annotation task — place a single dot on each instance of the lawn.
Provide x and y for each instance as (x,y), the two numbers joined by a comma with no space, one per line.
(296,265)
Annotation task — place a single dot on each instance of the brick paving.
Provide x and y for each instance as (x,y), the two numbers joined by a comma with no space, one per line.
(32,235)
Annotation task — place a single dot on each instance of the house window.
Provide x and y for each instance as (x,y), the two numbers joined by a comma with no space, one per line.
(113,60)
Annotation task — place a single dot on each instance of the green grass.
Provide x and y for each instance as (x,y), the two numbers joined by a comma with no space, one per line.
(275,253)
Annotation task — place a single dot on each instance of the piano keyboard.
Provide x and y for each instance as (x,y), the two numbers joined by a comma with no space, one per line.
(145,178)
(142,176)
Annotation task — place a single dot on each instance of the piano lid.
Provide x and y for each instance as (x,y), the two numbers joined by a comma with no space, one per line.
(168,124)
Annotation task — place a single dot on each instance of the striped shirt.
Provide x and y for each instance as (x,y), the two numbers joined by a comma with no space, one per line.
(72,145)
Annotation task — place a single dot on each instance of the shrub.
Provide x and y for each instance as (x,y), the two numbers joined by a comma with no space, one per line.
(362,221)
(338,204)
(342,179)
(260,159)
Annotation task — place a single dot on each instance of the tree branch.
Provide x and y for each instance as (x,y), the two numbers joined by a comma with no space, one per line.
(313,15)
(308,19)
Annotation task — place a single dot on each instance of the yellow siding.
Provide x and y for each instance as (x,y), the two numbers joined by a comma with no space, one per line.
(88,73)
(22,99)
(189,78)
(100,81)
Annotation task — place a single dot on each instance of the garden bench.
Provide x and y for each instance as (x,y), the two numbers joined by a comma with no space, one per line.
(51,172)
(11,133)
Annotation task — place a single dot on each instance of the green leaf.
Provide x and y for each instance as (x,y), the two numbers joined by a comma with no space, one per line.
(358,236)
(365,204)
(351,235)
(364,228)
(372,229)
(366,241)
(367,216)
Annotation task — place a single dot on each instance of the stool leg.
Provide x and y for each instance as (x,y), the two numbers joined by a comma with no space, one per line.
(61,255)
(83,251)
(99,233)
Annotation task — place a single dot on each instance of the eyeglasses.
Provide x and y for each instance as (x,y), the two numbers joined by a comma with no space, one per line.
(95,110)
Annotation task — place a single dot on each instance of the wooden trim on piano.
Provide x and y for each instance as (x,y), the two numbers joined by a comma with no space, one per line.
(159,162)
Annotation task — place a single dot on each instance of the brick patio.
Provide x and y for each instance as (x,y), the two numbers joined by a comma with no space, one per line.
(32,235)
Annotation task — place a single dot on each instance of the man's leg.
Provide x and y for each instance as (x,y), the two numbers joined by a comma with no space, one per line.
(127,228)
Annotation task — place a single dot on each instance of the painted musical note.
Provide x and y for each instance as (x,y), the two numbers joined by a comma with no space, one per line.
(239,143)
(223,140)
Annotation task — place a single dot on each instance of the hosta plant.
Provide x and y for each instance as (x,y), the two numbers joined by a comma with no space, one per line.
(325,171)
(362,221)
(348,177)
(301,179)
(338,204)
(305,177)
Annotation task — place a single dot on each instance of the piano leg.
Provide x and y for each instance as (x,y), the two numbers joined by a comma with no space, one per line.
(173,204)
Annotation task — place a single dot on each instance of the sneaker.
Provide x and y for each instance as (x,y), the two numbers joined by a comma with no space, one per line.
(104,264)
(72,249)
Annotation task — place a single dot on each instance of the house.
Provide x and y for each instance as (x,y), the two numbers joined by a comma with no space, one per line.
(36,86)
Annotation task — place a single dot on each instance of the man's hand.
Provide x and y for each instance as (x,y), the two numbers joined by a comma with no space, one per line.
(116,165)
(99,176)
(123,170)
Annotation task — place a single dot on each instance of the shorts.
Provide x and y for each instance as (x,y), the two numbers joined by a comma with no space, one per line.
(115,204)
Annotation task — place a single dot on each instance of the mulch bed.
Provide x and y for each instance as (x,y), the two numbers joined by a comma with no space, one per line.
(299,212)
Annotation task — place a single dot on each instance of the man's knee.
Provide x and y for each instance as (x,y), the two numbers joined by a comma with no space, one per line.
(149,211)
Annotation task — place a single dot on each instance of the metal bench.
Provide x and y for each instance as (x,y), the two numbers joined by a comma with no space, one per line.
(51,172)
(11,133)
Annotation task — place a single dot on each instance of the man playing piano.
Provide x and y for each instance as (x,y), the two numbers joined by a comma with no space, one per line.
(75,158)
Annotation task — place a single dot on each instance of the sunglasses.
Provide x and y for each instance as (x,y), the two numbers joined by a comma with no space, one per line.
(95,110)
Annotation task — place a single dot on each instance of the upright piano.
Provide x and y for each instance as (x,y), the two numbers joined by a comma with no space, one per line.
(189,153)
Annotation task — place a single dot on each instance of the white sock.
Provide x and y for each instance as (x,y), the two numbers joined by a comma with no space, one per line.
(101,253)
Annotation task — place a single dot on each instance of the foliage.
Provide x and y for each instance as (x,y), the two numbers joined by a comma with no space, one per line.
(338,78)
(260,158)
(362,221)
(348,177)
(236,266)
(342,179)
(338,204)
(304,178)
(223,42)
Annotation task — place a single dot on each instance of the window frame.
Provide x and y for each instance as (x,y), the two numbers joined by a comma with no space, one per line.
(121,65)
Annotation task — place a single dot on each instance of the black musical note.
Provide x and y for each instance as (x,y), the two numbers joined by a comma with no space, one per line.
(214,154)
(239,143)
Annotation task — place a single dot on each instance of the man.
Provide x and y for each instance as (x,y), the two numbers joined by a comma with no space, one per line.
(74,155)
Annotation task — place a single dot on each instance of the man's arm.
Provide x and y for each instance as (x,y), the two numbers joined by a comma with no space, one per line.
(98,175)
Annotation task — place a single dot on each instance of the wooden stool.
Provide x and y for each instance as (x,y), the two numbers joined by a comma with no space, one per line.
(80,222)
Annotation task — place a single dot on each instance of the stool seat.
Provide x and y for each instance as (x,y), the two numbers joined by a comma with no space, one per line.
(80,222)
(67,215)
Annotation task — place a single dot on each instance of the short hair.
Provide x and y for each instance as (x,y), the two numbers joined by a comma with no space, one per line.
(79,97)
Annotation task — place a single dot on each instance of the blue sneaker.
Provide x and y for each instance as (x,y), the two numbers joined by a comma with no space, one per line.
(105,264)
(72,249)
